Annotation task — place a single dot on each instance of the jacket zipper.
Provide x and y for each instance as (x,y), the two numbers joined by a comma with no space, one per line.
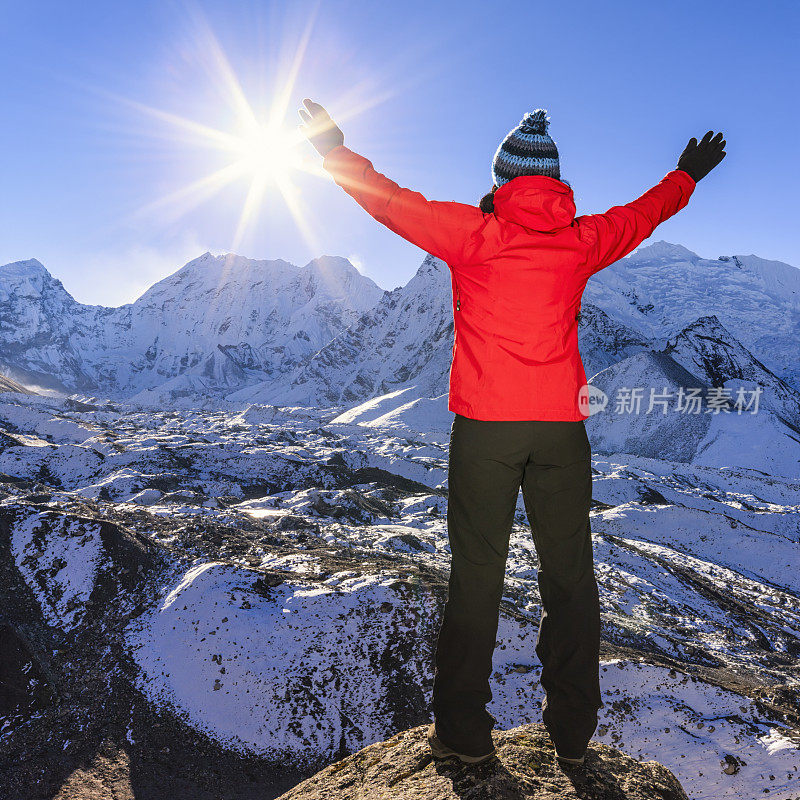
(458,298)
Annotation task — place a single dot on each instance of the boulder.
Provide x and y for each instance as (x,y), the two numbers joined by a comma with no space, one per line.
(403,768)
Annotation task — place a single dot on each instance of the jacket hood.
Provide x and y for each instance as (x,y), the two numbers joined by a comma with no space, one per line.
(538,202)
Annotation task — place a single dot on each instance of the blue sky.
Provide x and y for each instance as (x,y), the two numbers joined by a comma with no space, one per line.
(429,89)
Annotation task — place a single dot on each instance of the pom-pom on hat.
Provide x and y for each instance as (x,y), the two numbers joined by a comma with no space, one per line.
(527,150)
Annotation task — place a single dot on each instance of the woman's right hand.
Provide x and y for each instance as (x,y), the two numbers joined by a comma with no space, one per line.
(320,130)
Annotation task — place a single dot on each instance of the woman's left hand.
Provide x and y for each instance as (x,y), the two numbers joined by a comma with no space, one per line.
(320,129)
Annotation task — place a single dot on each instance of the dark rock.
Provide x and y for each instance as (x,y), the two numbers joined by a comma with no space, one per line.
(24,684)
(269,580)
(650,497)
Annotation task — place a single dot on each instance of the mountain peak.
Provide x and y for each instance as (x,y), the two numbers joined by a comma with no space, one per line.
(24,269)
(338,275)
(663,250)
(209,259)
(210,265)
(706,323)
(330,264)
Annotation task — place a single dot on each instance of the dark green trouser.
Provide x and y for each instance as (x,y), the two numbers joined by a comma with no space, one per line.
(489,461)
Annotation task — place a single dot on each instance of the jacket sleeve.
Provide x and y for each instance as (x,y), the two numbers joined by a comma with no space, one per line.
(448,230)
(623,228)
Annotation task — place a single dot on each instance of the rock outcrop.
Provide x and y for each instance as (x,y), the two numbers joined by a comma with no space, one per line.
(402,768)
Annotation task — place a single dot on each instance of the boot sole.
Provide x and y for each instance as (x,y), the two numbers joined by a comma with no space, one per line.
(440,750)
(571,761)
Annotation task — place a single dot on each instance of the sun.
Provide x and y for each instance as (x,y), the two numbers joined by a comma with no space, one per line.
(267,152)
(255,147)
(259,149)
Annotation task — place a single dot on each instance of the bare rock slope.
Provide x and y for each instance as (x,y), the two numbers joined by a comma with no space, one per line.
(402,768)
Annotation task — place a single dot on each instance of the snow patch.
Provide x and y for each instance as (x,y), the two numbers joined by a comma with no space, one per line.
(59,559)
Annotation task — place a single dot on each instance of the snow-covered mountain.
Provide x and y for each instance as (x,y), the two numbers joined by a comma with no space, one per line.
(325,334)
(737,407)
(218,319)
(628,423)
(406,339)
(707,349)
(660,289)
(227,331)
(41,326)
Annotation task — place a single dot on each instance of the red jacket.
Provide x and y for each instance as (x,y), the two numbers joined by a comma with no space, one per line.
(518,276)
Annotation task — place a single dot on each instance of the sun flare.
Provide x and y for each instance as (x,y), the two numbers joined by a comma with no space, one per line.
(259,148)
(269,153)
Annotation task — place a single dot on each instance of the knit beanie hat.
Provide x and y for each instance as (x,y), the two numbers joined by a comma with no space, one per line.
(527,150)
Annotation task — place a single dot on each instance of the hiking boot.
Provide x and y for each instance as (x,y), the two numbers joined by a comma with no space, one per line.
(441,750)
(570,762)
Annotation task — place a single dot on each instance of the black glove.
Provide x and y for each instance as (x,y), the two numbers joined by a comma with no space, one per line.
(321,130)
(699,159)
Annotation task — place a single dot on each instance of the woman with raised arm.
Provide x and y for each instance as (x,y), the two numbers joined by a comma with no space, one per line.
(519,262)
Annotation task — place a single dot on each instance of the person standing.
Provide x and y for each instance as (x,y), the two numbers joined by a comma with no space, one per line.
(519,262)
